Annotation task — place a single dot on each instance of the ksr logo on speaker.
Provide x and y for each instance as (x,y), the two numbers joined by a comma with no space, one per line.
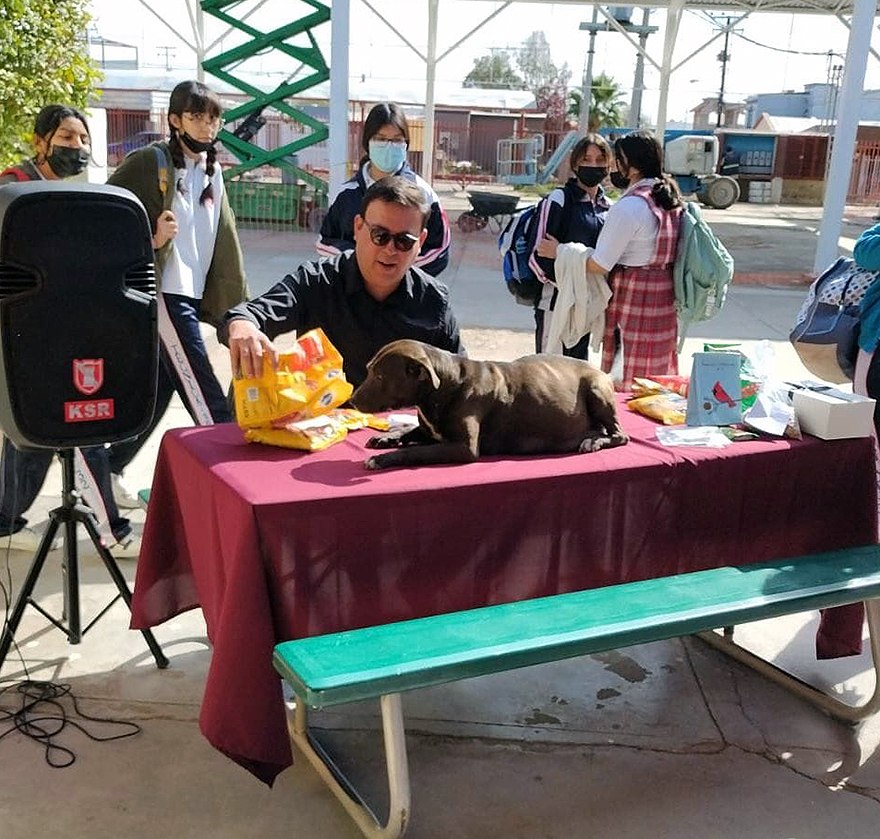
(88,375)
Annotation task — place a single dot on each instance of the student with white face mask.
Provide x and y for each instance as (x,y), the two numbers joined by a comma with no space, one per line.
(385,139)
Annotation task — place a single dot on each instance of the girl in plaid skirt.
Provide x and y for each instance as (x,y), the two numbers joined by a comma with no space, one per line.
(637,248)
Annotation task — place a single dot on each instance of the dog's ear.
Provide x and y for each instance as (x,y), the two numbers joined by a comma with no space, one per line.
(422,369)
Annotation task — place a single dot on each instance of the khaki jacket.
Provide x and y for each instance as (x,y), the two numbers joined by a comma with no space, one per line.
(225,285)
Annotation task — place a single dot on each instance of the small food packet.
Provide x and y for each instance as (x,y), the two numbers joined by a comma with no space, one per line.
(668,408)
(309,435)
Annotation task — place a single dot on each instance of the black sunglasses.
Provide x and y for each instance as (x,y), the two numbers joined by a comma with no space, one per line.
(381,236)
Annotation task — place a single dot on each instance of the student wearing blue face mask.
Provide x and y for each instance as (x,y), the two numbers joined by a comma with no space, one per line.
(384,139)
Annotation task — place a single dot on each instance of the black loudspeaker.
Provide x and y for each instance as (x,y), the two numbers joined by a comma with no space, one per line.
(78,332)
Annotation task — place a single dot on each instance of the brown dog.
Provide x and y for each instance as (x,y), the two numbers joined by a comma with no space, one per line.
(534,405)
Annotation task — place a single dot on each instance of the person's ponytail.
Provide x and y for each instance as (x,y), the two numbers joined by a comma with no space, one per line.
(641,151)
(666,193)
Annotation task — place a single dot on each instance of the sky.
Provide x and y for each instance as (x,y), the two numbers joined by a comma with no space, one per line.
(378,54)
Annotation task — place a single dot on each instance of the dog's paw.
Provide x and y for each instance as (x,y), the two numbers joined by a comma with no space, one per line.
(372,463)
(593,444)
(384,441)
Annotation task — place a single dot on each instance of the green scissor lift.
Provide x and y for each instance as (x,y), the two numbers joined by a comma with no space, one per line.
(253,200)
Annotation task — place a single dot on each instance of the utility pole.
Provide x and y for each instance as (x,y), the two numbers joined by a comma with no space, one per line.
(635,105)
(638,83)
(169,51)
(587,86)
(723,57)
(832,83)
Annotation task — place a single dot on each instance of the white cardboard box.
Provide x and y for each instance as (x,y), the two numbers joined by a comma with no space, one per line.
(833,414)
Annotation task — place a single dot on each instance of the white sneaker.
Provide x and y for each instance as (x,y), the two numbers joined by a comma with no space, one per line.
(122,495)
(28,539)
(127,548)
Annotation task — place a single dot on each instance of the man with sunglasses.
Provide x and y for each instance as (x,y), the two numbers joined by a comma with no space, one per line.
(362,299)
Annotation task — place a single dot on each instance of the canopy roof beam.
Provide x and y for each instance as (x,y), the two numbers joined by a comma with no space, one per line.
(431,60)
(395,30)
(615,24)
(727,28)
(845,22)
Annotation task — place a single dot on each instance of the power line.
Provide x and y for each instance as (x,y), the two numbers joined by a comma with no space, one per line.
(701,13)
(781,49)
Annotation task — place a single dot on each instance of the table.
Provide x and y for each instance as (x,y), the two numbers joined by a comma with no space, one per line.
(275,544)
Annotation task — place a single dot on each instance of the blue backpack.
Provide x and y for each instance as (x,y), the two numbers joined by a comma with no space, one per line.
(513,243)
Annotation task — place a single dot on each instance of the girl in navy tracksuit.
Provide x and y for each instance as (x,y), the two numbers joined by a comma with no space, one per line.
(385,138)
(573,213)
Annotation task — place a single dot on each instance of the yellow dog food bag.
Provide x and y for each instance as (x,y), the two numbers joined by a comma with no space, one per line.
(308,382)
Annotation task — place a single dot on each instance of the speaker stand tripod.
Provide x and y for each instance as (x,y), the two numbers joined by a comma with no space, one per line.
(71,512)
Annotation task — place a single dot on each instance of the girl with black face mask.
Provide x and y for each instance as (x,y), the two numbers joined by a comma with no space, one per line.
(573,213)
(62,145)
(198,259)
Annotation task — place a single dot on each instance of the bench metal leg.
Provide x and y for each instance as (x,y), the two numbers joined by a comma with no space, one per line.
(830,704)
(395,760)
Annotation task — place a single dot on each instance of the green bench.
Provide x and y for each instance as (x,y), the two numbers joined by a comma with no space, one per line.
(383,661)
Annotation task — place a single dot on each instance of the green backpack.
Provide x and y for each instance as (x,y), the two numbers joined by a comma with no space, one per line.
(701,273)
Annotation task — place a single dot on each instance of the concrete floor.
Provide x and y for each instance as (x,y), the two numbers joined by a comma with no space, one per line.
(663,740)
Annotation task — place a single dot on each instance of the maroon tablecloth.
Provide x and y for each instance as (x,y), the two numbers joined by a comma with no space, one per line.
(275,544)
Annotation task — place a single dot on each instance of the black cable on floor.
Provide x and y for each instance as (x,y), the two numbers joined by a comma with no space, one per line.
(42,717)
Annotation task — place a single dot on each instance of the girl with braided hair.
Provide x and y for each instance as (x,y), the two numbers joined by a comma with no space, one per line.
(199,266)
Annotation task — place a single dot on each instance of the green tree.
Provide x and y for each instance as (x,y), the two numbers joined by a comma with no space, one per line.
(607,103)
(43,59)
(494,71)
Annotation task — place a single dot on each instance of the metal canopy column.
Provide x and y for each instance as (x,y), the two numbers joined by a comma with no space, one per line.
(849,105)
(673,18)
(431,66)
(339,36)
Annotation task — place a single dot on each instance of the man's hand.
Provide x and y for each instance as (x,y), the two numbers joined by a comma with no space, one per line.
(247,346)
(166,229)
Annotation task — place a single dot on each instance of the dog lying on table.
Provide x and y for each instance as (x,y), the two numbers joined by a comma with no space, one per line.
(539,404)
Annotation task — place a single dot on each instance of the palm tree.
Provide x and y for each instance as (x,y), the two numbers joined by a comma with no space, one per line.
(607,104)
